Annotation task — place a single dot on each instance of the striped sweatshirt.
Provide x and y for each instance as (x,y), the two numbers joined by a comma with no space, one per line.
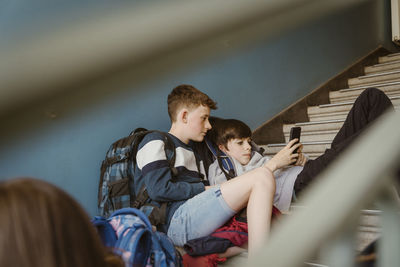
(154,171)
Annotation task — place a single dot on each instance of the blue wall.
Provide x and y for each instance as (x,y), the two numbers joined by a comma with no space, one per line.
(63,139)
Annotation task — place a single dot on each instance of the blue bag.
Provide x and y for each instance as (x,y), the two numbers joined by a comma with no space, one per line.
(129,233)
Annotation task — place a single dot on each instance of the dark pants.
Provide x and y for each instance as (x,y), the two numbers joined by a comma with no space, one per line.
(368,106)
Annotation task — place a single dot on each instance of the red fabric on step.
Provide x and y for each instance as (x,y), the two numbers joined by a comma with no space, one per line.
(210,260)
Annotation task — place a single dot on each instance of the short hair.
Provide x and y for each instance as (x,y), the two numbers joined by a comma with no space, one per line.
(227,129)
(185,95)
(42,226)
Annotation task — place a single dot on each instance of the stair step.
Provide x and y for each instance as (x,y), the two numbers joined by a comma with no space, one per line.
(369,228)
(377,85)
(389,58)
(374,78)
(326,135)
(370,219)
(310,131)
(388,66)
(328,116)
(310,155)
(335,115)
(346,95)
(327,109)
(309,148)
(340,108)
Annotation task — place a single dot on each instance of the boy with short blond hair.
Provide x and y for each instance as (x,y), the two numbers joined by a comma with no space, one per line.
(187,96)
(193,209)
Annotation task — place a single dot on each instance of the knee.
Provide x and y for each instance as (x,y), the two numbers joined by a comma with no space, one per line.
(373,92)
(376,97)
(264,179)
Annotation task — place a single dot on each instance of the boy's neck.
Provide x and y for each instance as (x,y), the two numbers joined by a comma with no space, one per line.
(178,133)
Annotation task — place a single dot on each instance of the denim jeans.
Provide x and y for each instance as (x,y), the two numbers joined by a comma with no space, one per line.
(199,216)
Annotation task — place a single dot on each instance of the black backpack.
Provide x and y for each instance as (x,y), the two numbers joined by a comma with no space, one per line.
(116,177)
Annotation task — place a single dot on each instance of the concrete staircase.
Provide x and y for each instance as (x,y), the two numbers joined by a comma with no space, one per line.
(325,121)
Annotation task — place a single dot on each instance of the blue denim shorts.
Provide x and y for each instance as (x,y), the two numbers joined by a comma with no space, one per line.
(199,216)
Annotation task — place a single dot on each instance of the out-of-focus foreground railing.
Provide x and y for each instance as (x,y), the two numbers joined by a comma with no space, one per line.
(327,224)
(103,43)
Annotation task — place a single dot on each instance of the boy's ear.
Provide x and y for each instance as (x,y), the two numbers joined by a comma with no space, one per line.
(222,148)
(183,115)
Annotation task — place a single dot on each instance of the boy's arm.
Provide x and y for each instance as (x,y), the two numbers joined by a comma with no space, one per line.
(157,175)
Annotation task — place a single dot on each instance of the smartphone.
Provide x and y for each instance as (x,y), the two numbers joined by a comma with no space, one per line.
(295,133)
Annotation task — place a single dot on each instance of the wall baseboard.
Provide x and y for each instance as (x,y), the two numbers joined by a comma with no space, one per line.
(271,131)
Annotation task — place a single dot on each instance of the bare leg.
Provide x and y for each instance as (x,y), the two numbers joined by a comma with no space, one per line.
(255,190)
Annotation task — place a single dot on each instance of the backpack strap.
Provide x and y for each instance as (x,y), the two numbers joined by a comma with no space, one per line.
(105,230)
(223,160)
(157,215)
(141,198)
(169,145)
(133,211)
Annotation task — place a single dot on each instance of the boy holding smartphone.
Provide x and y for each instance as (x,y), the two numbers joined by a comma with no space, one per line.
(233,137)
(369,105)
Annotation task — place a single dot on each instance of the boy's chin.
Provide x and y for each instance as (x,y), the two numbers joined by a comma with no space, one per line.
(245,162)
(198,138)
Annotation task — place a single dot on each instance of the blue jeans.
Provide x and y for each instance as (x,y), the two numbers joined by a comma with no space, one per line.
(199,216)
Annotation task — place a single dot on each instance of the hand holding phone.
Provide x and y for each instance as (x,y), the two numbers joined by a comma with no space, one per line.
(295,133)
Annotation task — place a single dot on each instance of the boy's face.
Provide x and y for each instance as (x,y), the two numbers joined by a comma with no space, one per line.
(239,149)
(197,123)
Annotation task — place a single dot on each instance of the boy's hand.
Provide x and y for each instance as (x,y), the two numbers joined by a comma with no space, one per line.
(301,161)
(285,156)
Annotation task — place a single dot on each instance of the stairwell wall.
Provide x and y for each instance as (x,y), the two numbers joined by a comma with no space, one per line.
(63,138)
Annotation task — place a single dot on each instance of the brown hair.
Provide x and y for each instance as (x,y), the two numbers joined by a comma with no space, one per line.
(227,129)
(42,226)
(188,96)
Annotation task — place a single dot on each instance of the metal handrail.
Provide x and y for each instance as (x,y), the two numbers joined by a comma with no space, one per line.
(351,183)
(101,45)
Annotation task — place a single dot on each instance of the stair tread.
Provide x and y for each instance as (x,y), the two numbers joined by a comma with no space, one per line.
(344,96)
(304,143)
(385,64)
(317,122)
(316,127)
(378,74)
(393,54)
(370,85)
(377,68)
(374,78)
(317,115)
(348,103)
(389,58)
